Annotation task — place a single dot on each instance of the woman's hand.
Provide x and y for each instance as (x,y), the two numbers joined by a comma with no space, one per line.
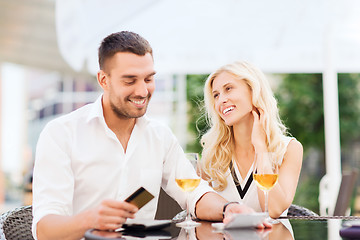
(235,208)
(258,135)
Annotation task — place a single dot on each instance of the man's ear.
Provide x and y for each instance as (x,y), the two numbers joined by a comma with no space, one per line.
(102,79)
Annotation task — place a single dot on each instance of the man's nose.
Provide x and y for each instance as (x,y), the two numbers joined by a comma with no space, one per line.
(141,89)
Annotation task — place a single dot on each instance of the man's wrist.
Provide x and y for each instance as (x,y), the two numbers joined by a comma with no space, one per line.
(227,204)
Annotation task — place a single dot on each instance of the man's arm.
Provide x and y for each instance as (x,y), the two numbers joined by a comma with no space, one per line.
(109,215)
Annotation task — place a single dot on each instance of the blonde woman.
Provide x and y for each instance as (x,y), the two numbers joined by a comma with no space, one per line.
(244,119)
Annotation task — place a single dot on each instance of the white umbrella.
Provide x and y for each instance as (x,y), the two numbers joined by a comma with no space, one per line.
(191,36)
(198,36)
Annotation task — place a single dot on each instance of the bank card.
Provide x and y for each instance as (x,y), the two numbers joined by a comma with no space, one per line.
(140,197)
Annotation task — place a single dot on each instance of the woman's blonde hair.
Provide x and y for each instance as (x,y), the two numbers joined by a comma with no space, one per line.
(218,141)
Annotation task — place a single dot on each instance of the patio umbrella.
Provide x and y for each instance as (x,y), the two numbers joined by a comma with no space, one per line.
(198,36)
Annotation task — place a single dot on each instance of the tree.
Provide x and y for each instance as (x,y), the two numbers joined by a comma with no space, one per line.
(300,100)
(349,107)
(197,124)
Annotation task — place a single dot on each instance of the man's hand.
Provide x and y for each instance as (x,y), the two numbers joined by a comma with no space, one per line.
(111,214)
(234,208)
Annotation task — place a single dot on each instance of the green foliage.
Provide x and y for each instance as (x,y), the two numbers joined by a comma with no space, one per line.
(300,101)
(307,193)
(349,108)
(196,119)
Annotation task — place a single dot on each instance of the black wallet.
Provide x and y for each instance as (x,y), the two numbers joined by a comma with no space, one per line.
(145,224)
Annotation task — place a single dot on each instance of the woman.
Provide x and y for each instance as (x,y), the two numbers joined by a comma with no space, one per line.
(244,119)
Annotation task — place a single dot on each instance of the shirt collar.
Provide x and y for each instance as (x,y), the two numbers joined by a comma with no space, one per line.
(141,121)
(96,110)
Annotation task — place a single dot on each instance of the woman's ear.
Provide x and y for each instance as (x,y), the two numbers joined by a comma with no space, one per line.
(256,110)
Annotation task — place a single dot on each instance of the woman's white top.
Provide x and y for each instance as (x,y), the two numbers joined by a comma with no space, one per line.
(250,198)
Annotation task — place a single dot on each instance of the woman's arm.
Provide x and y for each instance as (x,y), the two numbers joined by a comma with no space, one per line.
(211,205)
(282,195)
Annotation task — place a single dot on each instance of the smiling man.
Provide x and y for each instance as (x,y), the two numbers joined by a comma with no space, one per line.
(89,161)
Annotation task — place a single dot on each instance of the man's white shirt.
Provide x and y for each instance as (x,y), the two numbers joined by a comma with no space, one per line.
(80,162)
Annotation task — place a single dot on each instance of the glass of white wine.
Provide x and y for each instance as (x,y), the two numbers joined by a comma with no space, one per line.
(266,172)
(188,182)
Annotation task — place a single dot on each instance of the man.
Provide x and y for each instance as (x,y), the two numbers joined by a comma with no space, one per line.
(87,162)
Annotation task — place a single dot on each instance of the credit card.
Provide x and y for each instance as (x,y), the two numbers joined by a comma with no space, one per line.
(140,197)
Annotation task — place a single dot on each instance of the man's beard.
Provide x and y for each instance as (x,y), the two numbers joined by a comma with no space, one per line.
(123,114)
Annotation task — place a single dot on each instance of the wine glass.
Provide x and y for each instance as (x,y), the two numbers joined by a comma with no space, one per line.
(188,181)
(266,172)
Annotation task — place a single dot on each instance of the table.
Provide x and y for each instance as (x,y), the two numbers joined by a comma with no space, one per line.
(298,228)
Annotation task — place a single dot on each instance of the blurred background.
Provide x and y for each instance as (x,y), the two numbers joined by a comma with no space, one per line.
(309,51)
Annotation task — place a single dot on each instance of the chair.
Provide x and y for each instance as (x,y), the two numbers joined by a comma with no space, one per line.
(296,210)
(16,224)
(341,207)
(167,207)
(346,190)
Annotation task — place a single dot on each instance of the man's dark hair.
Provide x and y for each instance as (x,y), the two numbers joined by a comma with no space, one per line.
(122,42)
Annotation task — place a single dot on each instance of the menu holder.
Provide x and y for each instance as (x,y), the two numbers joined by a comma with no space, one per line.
(242,221)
